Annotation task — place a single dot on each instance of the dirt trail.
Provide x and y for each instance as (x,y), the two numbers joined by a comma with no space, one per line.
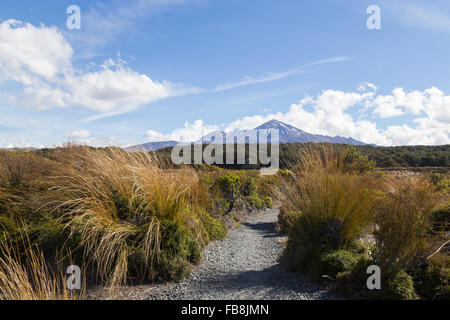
(244,266)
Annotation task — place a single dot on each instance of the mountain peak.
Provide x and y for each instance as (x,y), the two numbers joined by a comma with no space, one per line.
(274,124)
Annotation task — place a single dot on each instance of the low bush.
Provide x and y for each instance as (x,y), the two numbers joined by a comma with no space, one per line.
(433,278)
(403,220)
(395,285)
(441,218)
(355,162)
(212,227)
(21,171)
(399,286)
(230,187)
(338,261)
(354,282)
(268,202)
(440,180)
(332,207)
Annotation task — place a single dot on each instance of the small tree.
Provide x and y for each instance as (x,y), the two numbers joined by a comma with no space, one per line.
(355,162)
(230,185)
(249,188)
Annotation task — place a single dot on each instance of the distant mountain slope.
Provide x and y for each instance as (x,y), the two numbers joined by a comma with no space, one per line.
(291,134)
(152,146)
(287,134)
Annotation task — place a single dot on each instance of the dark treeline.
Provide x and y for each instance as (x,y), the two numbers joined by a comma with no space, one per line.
(408,156)
(386,157)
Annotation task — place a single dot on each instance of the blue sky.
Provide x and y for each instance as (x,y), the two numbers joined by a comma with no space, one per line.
(144,70)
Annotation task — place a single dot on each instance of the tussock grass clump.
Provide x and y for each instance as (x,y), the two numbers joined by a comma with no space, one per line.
(26,275)
(136,219)
(404,222)
(327,207)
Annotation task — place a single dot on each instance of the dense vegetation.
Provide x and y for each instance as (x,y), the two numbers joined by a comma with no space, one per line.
(342,217)
(120,216)
(408,156)
(134,217)
(385,157)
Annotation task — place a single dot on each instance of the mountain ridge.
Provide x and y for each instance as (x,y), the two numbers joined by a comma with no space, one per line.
(287,134)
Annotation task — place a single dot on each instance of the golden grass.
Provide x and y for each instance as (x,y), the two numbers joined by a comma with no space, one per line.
(325,199)
(22,169)
(404,221)
(117,201)
(26,275)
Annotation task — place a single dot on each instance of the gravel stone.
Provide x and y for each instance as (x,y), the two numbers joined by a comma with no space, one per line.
(243,266)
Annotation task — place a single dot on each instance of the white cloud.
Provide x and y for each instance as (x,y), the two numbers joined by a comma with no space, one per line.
(364,86)
(273,76)
(399,103)
(14,142)
(41,60)
(437,106)
(190,132)
(116,90)
(331,115)
(28,53)
(80,134)
(84,137)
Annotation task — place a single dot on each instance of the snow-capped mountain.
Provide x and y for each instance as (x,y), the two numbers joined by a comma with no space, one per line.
(291,134)
(287,134)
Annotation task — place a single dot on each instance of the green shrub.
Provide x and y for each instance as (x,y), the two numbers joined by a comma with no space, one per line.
(395,285)
(441,181)
(254,201)
(249,187)
(179,241)
(268,202)
(230,187)
(338,261)
(250,192)
(355,162)
(399,286)
(207,180)
(354,282)
(432,280)
(213,228)
(441,218)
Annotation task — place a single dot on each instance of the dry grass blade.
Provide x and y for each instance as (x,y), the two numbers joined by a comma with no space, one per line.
(27,276)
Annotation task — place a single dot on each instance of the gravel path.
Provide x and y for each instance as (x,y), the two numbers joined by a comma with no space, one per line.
(244,266)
